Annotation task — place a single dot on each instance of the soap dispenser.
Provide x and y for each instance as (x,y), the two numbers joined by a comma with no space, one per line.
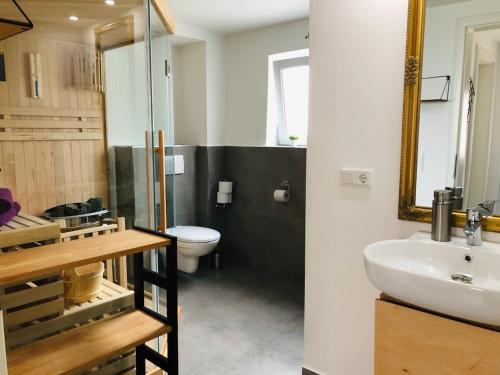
(442,206)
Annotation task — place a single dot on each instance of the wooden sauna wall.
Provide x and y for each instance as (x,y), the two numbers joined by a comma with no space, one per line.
(52,149)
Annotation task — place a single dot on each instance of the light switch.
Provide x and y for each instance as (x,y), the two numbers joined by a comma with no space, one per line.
(347,176)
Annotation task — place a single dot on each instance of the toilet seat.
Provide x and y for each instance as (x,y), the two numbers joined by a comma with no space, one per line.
(192,243)
(192,234)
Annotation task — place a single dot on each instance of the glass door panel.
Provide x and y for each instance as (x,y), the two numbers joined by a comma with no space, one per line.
(140,129)
(162,144)
(127,98)
(161,113)
(162,125)
(138,109)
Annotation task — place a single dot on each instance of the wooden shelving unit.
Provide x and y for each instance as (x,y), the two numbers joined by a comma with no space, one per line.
(46,260)
(90,345)
(87,346)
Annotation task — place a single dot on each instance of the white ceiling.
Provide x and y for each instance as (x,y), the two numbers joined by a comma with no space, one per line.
(438,3)
(229,16)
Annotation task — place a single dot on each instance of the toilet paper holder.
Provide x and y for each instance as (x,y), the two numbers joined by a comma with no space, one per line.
(282,194)
(224,193)
(285,185)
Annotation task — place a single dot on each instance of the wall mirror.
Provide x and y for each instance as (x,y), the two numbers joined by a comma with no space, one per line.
(451,124)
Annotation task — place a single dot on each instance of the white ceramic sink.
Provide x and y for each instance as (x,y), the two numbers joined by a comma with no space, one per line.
(419,271)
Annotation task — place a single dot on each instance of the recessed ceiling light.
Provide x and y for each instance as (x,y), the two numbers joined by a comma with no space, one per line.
(73,18)
(110,2)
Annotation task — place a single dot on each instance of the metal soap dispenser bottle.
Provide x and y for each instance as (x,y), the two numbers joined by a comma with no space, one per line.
(442,206)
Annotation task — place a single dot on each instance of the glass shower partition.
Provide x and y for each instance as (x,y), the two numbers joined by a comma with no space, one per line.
(161,110)
(138,96)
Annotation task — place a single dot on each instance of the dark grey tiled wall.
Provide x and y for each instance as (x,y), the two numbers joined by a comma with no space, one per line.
(256,231)
(211,165)
(131,189)
(186,202)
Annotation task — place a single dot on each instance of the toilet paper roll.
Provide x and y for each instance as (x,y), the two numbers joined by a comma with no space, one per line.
(224,198)
(282,196)
(225,187)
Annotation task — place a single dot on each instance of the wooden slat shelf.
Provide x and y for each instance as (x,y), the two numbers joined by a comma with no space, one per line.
(26,228)
(45,260)
(111,299)
(79,349)
(50,112)
(52,136)
(49,124)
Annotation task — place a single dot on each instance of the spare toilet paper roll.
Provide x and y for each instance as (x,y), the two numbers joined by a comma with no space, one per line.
(225,187)
(224,198)
(282,196)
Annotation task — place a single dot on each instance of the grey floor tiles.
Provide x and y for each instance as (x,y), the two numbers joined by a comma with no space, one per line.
(236,323)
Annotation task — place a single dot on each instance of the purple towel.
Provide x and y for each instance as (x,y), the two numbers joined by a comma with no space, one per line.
(6,200)
(8,208)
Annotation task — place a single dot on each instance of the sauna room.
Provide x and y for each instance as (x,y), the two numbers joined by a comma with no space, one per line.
(71,74)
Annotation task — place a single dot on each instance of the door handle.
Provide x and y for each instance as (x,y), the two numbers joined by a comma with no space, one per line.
(163,183)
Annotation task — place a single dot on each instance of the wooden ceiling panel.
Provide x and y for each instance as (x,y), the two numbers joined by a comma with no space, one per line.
(89,12)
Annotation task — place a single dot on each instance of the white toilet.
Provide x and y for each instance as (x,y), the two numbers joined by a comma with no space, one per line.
(192,243)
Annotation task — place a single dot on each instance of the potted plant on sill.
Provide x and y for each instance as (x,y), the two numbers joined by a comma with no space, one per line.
(293,139)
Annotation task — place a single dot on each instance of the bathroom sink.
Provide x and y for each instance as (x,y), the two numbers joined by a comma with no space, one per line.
(451,278)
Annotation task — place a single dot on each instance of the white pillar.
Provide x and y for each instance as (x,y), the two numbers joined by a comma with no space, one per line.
(3,355)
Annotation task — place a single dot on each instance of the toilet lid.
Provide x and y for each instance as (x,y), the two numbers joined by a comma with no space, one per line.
(194,234)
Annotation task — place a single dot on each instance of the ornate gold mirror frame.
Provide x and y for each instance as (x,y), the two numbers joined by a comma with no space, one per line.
(408,210)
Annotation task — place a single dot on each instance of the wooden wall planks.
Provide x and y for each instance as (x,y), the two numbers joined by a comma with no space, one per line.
(52,149)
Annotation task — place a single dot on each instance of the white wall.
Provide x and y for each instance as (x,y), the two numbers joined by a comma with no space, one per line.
(126,95)
(247,78)
(235,87)
(357,53)
(190,93)
(215,52)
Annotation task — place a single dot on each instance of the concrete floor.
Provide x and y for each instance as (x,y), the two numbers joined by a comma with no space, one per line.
(236,323)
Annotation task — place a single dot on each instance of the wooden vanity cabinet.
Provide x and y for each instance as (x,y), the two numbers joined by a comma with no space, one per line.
(411,341)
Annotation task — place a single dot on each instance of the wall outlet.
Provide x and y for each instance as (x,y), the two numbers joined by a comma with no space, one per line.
(364,177)
(356,177)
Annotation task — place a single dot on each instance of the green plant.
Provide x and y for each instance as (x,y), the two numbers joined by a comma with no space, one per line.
(293,137)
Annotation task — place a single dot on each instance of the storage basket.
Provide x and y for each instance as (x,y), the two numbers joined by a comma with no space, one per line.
(82,284)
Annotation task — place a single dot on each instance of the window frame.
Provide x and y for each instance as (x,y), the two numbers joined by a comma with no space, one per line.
(278,67)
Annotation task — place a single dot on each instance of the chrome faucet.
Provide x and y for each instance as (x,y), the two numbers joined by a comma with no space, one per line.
(474,216)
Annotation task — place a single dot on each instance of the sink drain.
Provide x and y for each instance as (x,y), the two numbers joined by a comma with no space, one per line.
(462,278)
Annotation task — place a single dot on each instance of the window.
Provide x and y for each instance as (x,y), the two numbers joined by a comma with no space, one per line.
(289,103)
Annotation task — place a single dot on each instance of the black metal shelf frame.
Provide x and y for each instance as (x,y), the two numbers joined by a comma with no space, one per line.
(169,364)
(445,94)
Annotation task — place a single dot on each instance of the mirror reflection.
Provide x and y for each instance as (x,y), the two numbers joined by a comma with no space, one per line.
(459,129)
(13,19)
